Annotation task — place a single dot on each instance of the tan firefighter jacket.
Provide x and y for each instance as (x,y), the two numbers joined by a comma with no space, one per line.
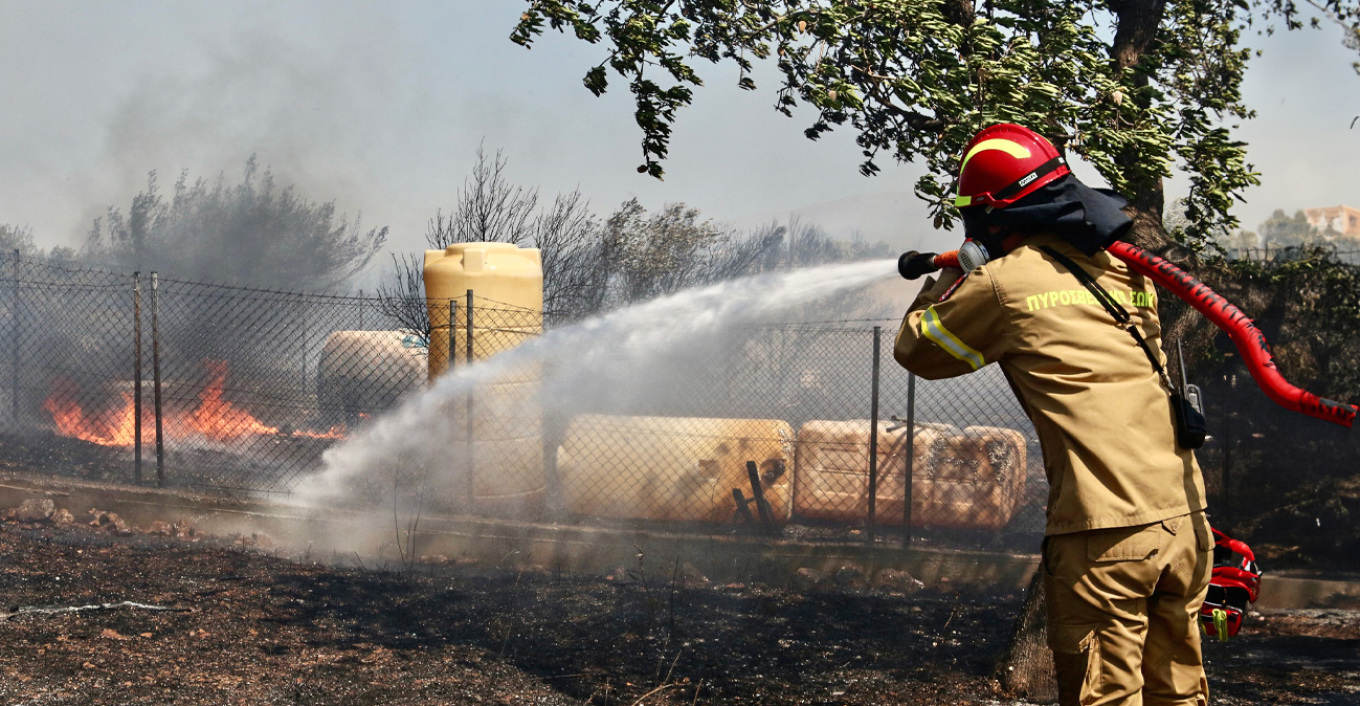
(1103,417)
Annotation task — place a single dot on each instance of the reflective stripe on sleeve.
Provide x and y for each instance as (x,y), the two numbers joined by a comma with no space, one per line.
(933,329)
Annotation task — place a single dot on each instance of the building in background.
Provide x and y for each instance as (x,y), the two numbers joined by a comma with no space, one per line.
(1336,223)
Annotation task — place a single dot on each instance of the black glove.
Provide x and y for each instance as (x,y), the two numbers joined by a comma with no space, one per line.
(913,264)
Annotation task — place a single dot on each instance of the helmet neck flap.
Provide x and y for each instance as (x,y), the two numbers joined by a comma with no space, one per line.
(1089,219)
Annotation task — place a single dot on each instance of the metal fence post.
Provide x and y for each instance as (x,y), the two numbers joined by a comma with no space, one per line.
(156,378)
(453,336)
(137,376)
(303,352)
(14,349)
(911,459)
(471,460)
(873,440)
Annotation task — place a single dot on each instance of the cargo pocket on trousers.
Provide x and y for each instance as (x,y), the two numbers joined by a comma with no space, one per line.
(1077,662)
(1204,537)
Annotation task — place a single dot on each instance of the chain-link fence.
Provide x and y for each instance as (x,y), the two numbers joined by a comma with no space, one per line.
(68,361)
(134,379)
(776,426)
(123,377)
(1342,250)
(255,384)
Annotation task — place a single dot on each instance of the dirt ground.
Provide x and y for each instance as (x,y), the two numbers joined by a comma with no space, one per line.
(223,621)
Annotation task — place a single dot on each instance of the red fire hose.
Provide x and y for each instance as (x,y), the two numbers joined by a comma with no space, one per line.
(1250,342)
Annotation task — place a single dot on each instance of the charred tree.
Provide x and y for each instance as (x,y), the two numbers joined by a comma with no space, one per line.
(1026,670)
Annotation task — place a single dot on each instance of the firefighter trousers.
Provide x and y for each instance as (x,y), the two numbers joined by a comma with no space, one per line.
(1123,612)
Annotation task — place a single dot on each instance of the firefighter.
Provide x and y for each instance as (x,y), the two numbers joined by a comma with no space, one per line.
(1127,548)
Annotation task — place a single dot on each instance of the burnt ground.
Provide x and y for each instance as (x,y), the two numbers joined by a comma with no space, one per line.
(252,625)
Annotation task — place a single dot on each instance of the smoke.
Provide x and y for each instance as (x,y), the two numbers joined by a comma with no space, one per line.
(312,115)
(616,361)
(323,113)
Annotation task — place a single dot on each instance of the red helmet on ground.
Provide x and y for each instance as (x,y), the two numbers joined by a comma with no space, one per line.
(1234,584)
(1005,163)
(1235,561)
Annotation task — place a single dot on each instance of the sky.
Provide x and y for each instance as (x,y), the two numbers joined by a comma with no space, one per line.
(381,107)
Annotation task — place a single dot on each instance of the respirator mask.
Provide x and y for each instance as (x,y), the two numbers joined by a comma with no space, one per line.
(981,244)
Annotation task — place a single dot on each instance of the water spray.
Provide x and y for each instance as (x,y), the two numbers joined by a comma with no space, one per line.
(1248,339)
(629,343)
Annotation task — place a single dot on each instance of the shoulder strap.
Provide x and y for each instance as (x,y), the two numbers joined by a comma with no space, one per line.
(1121,317)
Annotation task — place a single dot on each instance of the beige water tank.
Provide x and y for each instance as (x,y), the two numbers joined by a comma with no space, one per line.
(494,446)
(969,479)
(502,469)
(833,469)
(673,468)
(507,284)
(366,372)
(977,482)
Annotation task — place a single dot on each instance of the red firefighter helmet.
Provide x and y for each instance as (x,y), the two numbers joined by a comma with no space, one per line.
(1005,163)
(1234,583)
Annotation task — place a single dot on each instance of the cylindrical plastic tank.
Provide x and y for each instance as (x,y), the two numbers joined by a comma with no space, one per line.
(503,467)
(366,372)
(674,468)
(507,285)
(833,469)
(495,453)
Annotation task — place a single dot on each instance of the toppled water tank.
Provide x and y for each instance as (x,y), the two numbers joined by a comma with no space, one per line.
(977,481)
(673,468)
(833,469)
(972,479)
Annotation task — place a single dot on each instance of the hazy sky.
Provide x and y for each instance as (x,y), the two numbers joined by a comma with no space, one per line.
(380,106)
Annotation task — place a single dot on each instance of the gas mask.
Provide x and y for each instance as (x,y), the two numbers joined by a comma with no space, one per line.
(981,245)
(972,255)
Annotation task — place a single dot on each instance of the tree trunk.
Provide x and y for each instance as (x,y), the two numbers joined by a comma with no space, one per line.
(1026,670)
(1136,27)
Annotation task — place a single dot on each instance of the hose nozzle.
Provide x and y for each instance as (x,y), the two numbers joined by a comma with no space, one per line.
(913,264)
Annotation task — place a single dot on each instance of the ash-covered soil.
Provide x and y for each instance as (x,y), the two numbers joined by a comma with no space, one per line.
(256,625)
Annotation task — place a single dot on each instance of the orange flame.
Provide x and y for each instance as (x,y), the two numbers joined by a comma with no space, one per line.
(219,419)
(112,428)
(214,418)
